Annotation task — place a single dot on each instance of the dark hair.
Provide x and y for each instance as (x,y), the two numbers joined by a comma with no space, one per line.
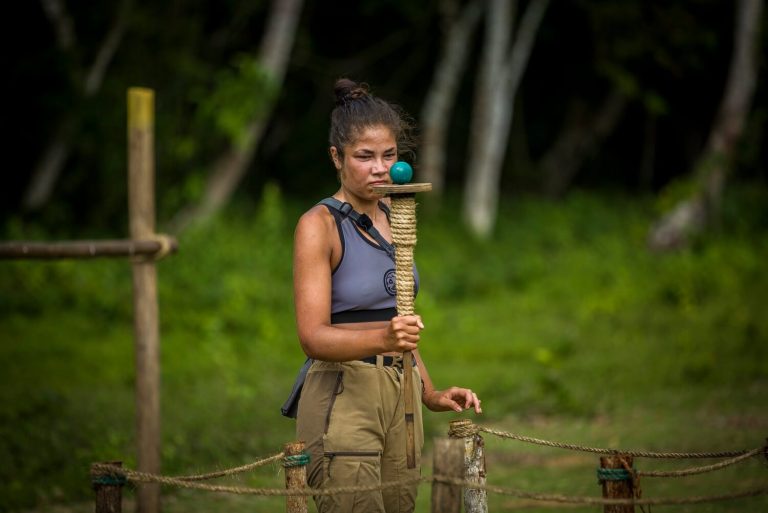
(357,109)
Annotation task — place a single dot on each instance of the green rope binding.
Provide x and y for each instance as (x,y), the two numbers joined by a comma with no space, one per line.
(296,460)
(613,474)
(110,480)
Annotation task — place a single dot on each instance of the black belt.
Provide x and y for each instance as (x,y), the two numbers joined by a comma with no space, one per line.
(387,361)
(384,314)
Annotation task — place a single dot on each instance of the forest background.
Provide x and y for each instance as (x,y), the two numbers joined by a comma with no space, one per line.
(593,256)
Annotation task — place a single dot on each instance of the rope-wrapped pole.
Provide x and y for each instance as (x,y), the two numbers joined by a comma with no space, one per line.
(295,463)
(617,478)
(403,223)
(107,487)
(475,499)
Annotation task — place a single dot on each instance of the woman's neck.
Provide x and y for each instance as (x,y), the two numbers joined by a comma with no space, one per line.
(363,206)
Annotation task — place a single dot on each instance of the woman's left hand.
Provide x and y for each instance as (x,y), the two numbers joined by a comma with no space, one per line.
(454,398)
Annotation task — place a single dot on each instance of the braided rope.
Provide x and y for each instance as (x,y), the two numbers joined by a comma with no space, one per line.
(403,224)
(231,471)
(464,430)
(705,468)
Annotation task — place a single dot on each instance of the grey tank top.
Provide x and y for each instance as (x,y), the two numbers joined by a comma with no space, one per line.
(363,284)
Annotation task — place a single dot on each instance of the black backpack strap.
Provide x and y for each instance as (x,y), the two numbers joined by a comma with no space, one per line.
(384,208)
(361,220)
(291,406)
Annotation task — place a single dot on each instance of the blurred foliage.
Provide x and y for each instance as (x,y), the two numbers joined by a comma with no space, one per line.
(564,316)
(240,95)
(669,58)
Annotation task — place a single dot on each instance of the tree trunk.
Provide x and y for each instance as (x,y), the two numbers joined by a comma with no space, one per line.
(690,216)
(442,94)
(48,168)
(229,170)
(582,134)
(501,72)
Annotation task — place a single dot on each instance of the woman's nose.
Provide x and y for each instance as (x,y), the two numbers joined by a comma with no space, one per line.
(379,166)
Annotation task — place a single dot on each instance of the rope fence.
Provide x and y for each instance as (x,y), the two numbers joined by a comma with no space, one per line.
(465,435)
(120,475)
(464,429)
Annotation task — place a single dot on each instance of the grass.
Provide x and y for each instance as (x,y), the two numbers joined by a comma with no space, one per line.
(565,325)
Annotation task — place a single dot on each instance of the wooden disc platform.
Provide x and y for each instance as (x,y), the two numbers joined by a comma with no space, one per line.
(406,188)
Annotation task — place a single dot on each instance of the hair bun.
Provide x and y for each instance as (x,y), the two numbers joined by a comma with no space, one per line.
(347,90)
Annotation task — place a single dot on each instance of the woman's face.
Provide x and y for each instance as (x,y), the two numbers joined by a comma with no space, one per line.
(366,161)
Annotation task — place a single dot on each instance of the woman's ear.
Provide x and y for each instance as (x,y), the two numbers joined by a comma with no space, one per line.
(335,157)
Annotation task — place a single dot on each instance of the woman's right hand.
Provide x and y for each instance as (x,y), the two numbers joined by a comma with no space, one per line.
(402,333)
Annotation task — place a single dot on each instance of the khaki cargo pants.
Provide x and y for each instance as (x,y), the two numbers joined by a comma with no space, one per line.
(352,420)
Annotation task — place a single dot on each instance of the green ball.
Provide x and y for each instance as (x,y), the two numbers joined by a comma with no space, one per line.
(401,172)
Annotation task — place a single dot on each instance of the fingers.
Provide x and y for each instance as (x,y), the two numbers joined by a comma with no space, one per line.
(410,321)
(476,403)
(470,399)
(454,406)
(405,332)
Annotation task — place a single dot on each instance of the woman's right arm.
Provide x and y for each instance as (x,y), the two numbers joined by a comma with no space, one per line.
(312,265)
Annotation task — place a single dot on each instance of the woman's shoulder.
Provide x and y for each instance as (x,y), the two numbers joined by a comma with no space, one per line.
(317,220)
(317,214)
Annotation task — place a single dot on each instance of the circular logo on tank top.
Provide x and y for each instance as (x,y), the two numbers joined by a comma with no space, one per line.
(389,282)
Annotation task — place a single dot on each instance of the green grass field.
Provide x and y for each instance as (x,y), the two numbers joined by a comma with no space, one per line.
(565,325)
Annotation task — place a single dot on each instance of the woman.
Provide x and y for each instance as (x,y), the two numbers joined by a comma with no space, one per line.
(351,409)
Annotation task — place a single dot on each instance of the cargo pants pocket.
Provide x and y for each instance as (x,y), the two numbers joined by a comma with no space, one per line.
(315,407)
(351,468)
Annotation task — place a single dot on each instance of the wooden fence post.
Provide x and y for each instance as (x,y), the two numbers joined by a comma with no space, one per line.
(448,462)
(295,464)
(475,500)
(108,489)
(141,211)
(615,477)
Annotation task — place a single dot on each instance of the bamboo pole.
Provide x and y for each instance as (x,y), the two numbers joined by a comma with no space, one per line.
(295,476)
(86,248)
(108,489)
(448,462)
(619,487)
(141,210)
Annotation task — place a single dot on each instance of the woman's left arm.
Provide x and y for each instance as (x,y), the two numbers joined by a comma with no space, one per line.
(453,398)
